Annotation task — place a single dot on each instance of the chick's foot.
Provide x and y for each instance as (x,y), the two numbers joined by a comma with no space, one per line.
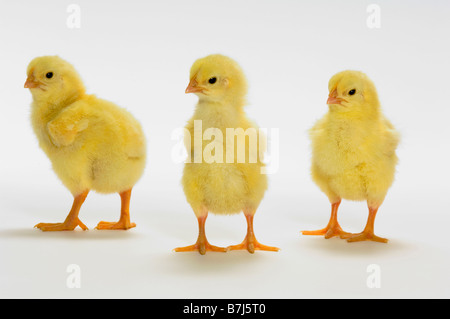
(72,221)
(202,246)
(328,232)
(251,244)
(61,226)
(333,228)
(368,233)
(366,236)
(120,225)
(124,221)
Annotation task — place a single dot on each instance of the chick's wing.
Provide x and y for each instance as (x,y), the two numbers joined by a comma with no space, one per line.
(63,129)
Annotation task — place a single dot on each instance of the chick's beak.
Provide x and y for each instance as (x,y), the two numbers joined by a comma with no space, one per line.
(193,87)
(333,98)
(31,83)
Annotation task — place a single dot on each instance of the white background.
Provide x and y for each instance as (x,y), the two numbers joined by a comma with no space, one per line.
(138,54)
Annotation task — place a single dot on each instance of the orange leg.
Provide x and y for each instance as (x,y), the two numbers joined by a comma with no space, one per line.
(72,220)
(250,243)
(124,221)
(368,232)
(333,228)
(202,244)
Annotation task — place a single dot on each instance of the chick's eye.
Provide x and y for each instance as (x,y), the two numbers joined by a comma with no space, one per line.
(212,80)
(49,75)
(352,91)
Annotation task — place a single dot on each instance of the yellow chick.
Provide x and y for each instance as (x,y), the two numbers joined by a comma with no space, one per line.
(93,144)
(353,151)
(223,183)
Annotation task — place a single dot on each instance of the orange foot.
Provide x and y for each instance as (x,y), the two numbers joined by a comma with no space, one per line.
(202,246)
(120,225)
(251,244)
(329,232)
(72,221)
(61,226)
(368,232)
(333,228)
(366,236)
(124,220)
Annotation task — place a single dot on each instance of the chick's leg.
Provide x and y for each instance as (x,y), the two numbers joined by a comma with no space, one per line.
(202,244)
(124,221)
(368,232)
(250,243)
(333,228)
(72,220)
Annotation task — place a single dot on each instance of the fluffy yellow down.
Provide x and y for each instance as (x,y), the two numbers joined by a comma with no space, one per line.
(353,145)
(93,144)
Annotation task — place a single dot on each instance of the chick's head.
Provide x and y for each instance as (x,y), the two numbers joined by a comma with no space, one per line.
(53,80)
(352,91)
(217,78)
